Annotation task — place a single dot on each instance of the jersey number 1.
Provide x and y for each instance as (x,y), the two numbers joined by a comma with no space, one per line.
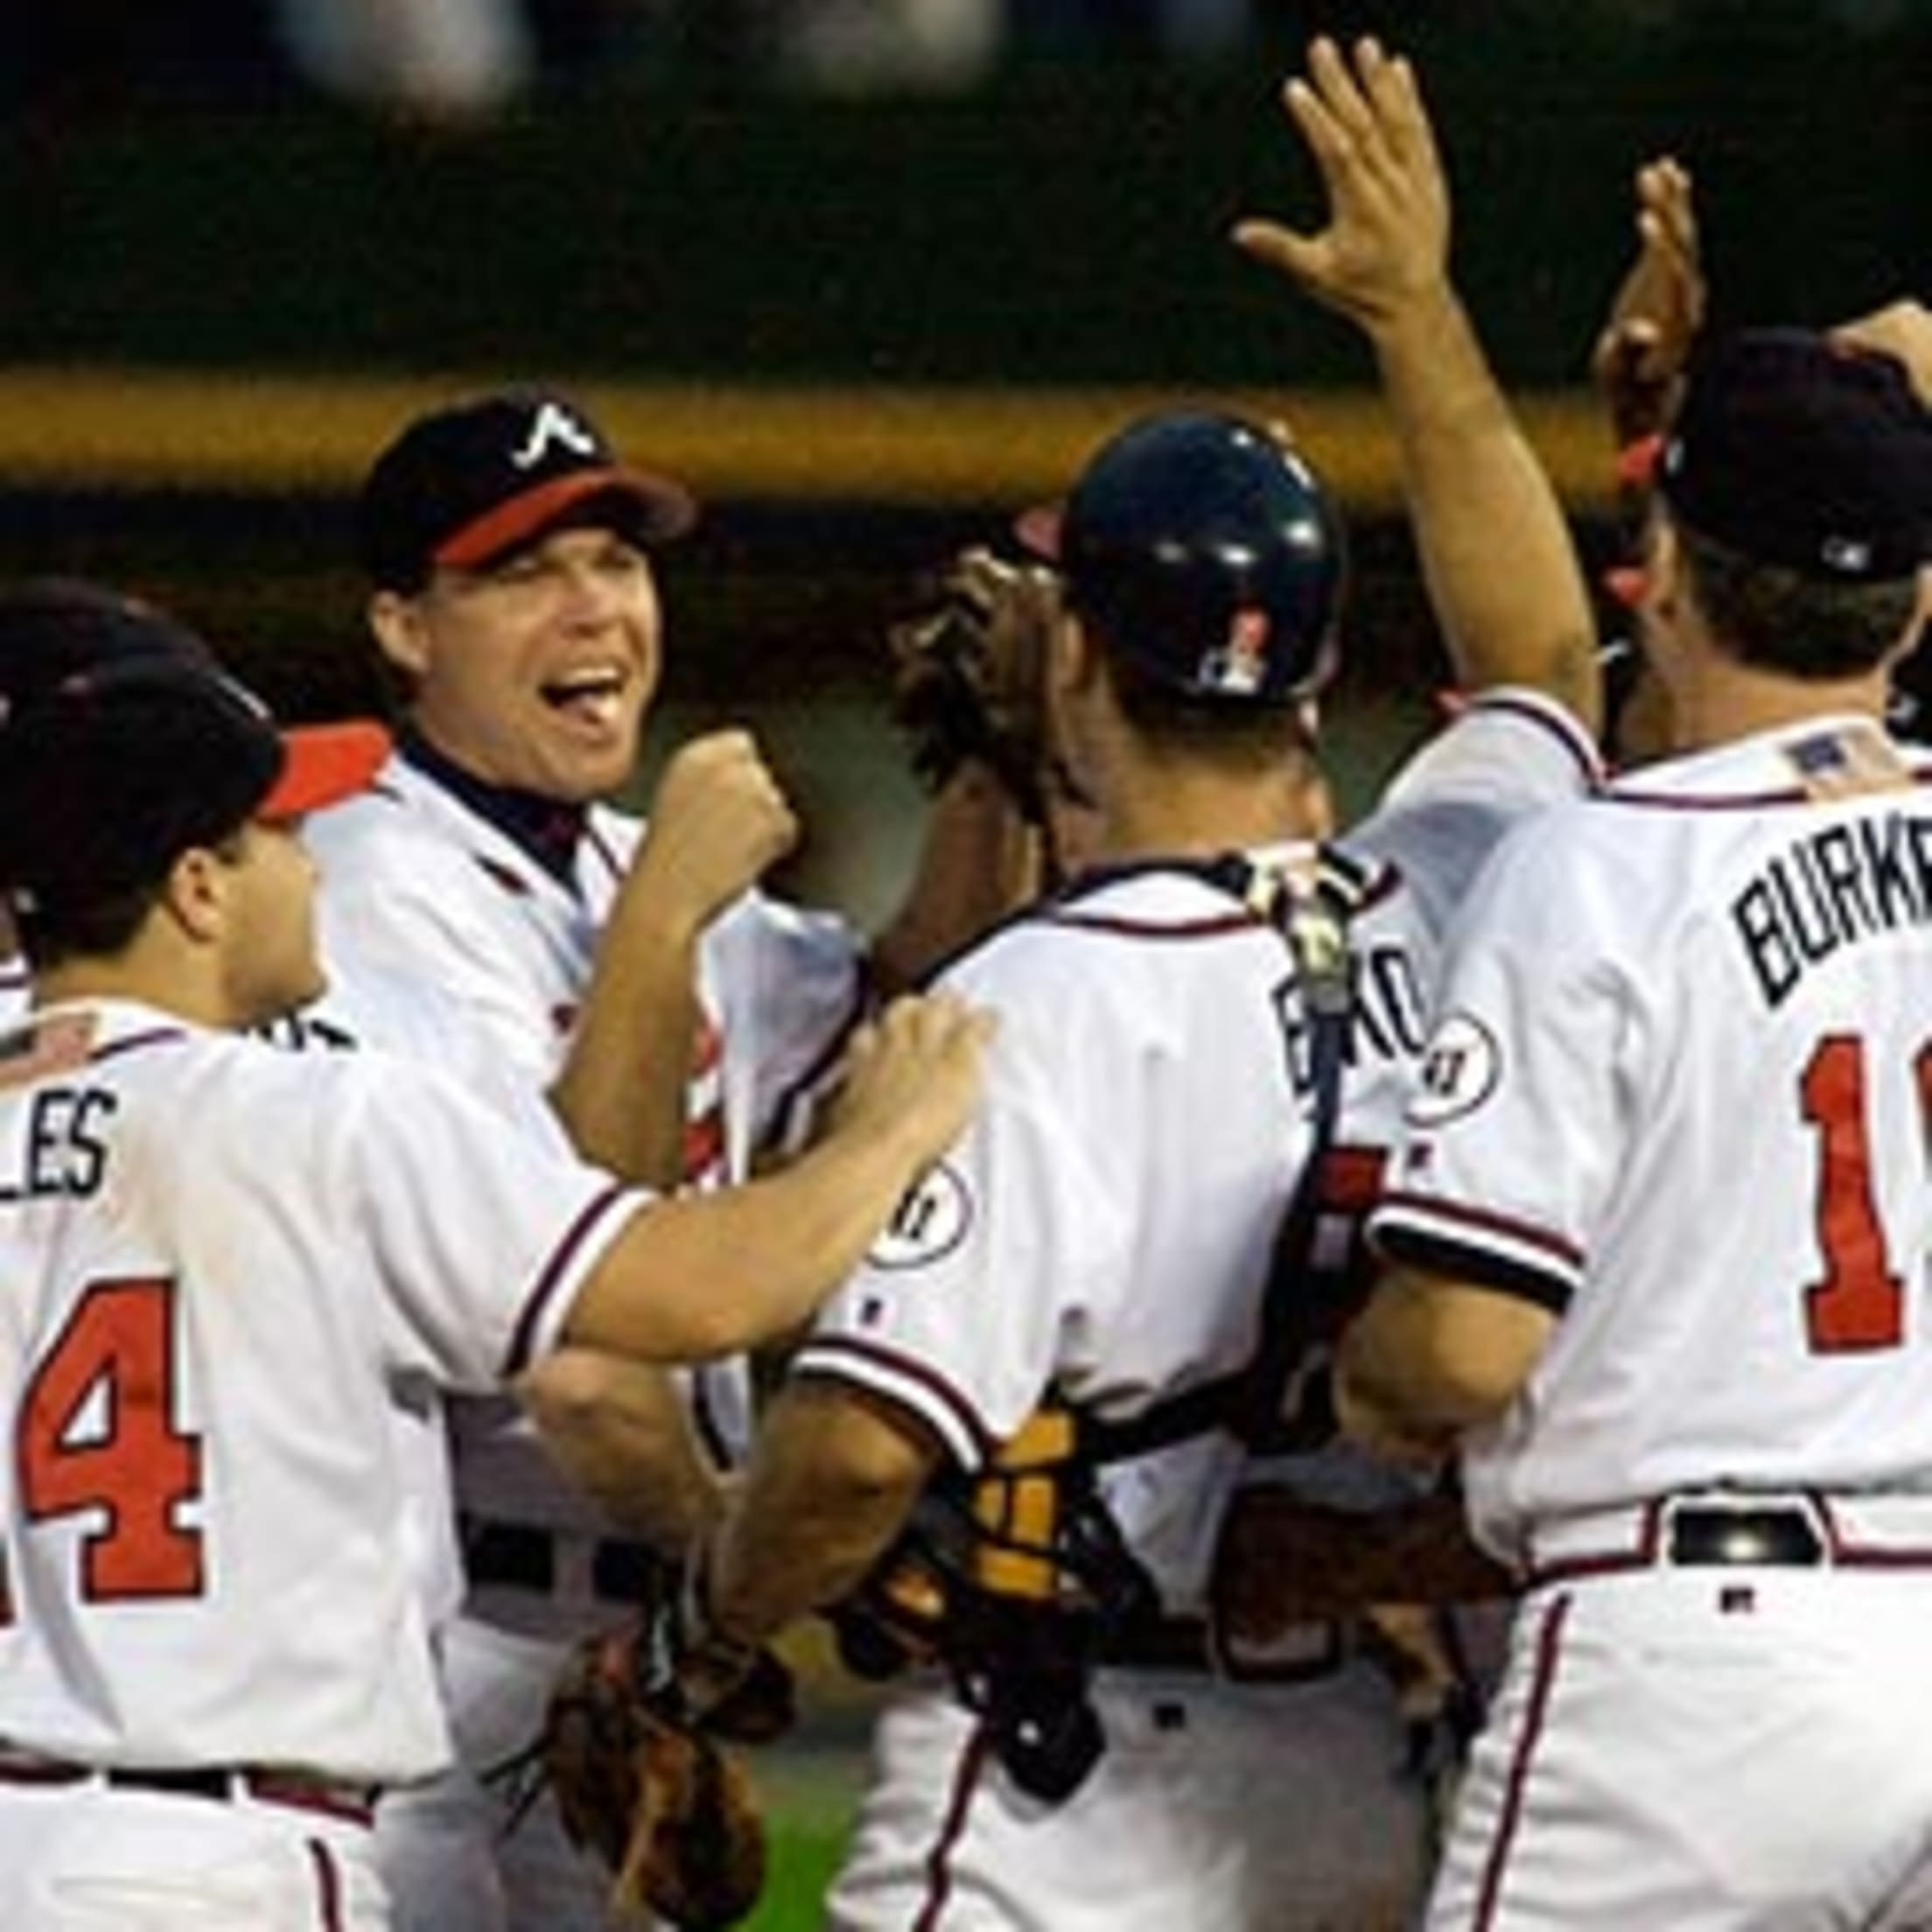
(1860,1303)
(97,1432)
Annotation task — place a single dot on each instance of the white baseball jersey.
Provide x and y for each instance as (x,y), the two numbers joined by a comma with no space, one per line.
(219,1258)
(1677,1094)
(372,1009)
(1105,1226)
(1104,1229)
(416,882)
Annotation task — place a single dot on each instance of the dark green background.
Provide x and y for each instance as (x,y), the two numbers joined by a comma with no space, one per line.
(1062,224)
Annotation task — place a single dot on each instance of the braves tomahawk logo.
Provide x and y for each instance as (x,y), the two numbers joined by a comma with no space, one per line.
(553,423)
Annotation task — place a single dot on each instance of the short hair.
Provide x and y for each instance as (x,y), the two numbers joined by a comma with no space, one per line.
(1777,619)
(55,928)
(1213,731)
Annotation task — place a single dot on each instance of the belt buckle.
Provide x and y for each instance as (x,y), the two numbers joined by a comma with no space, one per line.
(1730,1535)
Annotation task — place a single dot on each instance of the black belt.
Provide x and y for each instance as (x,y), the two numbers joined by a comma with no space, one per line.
(515,1554)
(1777,1537)
(219,1784)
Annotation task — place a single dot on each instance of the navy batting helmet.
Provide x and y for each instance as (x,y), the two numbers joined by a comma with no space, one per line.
(1204,550)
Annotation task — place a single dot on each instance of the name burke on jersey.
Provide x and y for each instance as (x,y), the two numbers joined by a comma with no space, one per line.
(1846,883)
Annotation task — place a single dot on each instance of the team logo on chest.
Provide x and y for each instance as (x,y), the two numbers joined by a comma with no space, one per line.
(930,1220)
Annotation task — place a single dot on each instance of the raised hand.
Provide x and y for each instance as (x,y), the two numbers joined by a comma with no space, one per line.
(1657,309)
(1386,245)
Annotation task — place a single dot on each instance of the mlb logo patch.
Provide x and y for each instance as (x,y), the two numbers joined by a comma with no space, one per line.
(1237,666)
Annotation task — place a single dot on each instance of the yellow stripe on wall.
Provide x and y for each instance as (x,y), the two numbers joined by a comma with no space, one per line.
(98,427)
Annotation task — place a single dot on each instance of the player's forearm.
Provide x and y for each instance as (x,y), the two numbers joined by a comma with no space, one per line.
(829,1490)
(1495,549)
(621,1091)
(703,1276)
(977,860)
(1430,1358)
(622,1431)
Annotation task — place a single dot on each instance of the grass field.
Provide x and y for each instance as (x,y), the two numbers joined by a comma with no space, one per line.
(809,1793)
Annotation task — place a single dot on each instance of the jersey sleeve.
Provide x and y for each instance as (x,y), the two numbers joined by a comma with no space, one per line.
(481,1235)
(992,1266)
(1506,755)
(1511,1134)
(1508,746)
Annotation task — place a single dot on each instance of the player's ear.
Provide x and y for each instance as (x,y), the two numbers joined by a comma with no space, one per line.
(396,624)
(195,893)
(1077,661)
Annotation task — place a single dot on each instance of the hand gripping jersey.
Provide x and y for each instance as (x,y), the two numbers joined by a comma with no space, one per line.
(1678,1095)
(219,1258)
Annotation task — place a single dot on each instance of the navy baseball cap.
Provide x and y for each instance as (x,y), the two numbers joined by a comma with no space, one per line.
(464,486)
(52,627)
(109,772)
(1797,452)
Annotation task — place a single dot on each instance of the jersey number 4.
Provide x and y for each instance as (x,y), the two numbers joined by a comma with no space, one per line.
(97,1433)
(1860,1303)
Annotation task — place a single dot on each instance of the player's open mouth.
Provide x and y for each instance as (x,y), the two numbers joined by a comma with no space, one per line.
(589,696)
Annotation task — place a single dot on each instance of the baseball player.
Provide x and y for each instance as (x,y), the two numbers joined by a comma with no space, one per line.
(667,1011)
(1095,1252)
(220,1259)
(1659,1214)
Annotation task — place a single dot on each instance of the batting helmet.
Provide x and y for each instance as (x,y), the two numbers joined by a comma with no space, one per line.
(1204,550)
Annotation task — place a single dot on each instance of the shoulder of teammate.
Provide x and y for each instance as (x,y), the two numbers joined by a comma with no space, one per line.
(382,835)
(369,1009)
(1511,745)
(1546,892)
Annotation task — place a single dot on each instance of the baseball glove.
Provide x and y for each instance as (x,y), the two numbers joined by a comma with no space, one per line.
(651,1792)
(1284,1560)
(970,678)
